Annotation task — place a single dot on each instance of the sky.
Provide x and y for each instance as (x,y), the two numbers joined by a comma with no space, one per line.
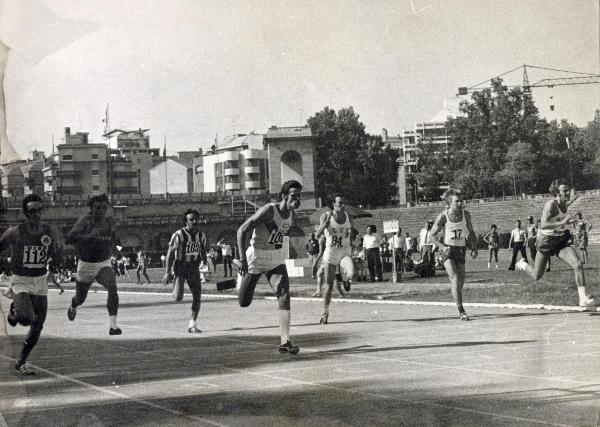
(191,71)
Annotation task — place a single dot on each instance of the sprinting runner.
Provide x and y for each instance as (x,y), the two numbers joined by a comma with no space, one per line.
(554,238)
(582,229)
(187,249)
(336,226)
(458,231)
(265,255)
(95,240)
(32,244)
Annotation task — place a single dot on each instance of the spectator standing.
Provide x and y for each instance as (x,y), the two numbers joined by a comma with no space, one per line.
(142,266)
(371,245)
(581,232)
(532,230)
(425,243)
(212,260)
(492,239)
(385,253)
(517,243)
(312,250)
(226,253)
(399,248)
(163,260)
(408,242)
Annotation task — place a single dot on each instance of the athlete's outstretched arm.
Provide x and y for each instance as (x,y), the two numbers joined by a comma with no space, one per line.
(472,237)
(439,223)
(7,238)
(264,214)
(323,223)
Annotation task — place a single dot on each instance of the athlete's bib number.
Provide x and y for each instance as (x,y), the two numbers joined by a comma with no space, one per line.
(193,248)
(35,256)
(275,239)
(457,234)
(336,241)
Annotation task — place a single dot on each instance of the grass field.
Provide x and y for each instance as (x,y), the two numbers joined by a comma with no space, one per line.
(557,287)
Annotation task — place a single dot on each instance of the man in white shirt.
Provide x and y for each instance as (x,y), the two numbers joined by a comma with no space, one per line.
(517,243)
(371,244)
(226,253)
(425,244)
(399,247)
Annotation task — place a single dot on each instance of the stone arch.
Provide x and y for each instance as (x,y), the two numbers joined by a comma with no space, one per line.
(131,241)
(161,241)
(291,166)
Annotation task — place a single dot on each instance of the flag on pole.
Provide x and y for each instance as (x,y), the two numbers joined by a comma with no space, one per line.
(105,120)
(165,151)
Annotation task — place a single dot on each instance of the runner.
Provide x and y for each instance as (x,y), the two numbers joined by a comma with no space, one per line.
(336,226)
(95,240)
(265,255)
(458,230)
(554,238)
(187,249)
(32,244)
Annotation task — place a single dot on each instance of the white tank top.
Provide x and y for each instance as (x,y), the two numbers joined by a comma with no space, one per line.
(455,233)
(338,235)
(556,231)
(269,236)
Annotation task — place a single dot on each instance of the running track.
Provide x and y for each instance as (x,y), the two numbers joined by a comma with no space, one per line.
(374,364)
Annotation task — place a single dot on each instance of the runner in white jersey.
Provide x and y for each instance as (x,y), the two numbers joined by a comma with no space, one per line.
(554,238)
(266,255)
(458,231)
(337,227)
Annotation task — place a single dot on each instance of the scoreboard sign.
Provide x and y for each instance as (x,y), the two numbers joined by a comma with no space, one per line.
(391,226)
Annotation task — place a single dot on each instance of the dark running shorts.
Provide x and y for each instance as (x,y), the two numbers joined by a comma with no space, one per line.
(552,245)
(458,254)
(183,268)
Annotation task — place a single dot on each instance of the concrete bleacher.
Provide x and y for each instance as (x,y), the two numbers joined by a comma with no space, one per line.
(501,213)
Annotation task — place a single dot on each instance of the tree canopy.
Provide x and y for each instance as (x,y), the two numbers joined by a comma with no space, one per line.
(350,162)
(501,146)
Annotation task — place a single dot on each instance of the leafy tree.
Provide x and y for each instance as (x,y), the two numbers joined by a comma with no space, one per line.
(349,161)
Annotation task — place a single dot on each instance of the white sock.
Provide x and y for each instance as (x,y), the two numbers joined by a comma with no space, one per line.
(192,324)
(113,321)
(284,325)
(582,294)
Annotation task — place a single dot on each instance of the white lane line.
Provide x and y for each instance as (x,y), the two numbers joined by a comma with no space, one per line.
(119,395)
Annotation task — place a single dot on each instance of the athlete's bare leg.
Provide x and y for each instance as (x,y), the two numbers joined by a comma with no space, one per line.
(106,277)
(456,274)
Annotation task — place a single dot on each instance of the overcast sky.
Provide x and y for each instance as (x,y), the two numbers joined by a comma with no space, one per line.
(193,69)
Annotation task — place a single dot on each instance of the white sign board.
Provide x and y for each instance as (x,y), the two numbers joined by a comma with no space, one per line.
(391,226)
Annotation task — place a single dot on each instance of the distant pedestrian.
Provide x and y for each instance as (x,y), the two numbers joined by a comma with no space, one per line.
(312,250)
(517,243)
(371,245)
(492,239)
(226,253)
(581,232)
(532,230)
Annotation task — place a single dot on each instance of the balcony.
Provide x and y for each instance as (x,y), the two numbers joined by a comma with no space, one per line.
(125,190)
(69,189)
(124,174)
(251,169)
(232,186)
(68,174)
(232,172)
(252,185)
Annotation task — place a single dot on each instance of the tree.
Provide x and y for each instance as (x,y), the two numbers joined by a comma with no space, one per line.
(349,161)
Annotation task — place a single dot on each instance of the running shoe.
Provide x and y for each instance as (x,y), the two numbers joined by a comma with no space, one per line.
(115,331)
(521,265)
(194,330)
(25,369)
(315,295)
(324,319)
(464,316)
(288,347)
(12,315)
(589,303)
(347,284)
(71,312)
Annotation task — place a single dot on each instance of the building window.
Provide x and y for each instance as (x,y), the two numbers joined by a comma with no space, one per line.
(95,172)
(95,187)
(95,156)
(67,157)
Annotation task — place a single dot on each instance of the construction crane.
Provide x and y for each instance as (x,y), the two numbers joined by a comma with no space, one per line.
(579,79)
